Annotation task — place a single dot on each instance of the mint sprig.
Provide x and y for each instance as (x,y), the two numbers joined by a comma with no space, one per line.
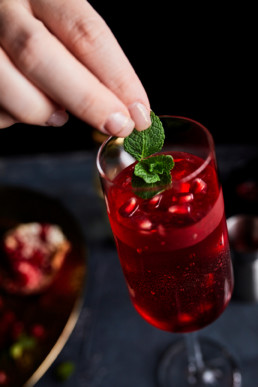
(148,190)
(147,142)
(152,168)
(150,173)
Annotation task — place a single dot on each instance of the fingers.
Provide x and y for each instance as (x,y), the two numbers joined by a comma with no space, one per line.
(21,101)
(59,76)
(88,37)
(5,119)
(50,66)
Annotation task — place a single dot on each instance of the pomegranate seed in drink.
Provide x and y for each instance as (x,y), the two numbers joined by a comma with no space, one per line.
(144,224)
(198,185)
(154,202)
(129,208)
(184,197)
(179,209)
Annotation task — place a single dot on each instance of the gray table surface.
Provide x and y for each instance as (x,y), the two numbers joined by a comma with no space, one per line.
(111,345)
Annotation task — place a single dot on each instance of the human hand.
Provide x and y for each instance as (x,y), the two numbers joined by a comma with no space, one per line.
(60,55)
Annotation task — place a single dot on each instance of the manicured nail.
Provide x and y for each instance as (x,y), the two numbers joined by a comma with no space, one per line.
(118,124)
(141,115)
(59,118)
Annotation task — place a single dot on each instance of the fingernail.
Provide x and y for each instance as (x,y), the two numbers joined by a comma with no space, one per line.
(141,115)
(118,124)
(59,118)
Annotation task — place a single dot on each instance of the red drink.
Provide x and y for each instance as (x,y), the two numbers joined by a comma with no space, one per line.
(174,248)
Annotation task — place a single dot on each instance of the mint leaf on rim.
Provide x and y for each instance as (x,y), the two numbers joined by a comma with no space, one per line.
(150,173)
(147,142)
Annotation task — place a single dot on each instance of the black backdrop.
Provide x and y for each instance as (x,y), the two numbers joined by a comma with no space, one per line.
(194,61)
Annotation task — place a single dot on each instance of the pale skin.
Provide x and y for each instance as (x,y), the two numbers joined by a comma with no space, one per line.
(60,56)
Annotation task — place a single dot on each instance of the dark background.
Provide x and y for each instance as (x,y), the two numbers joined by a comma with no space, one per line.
(197,63)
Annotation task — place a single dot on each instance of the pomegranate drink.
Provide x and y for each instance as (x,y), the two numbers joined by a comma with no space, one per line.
(173,247)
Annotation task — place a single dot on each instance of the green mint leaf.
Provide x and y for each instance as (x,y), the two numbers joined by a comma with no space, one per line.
(151,169)
(151,174)
(148,190)
(147,142)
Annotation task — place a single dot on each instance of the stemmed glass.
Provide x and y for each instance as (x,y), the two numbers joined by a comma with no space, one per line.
(174,251)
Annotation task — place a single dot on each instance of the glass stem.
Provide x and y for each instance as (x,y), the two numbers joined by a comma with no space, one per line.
(195,359)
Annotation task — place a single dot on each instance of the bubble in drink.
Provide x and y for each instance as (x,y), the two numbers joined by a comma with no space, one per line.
(129,207)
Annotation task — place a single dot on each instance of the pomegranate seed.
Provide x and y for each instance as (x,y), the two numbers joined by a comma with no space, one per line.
(184,197)
(29,275)
(38,331)
(185,187)
(198,185)
(3,378)
(154,202)
(185,318)
(145,224)
(129,208)
(179,209)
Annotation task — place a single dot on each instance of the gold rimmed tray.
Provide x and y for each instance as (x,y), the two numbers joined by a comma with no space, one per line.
(52,314)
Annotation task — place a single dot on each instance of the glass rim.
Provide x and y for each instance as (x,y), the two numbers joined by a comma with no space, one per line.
(185,179)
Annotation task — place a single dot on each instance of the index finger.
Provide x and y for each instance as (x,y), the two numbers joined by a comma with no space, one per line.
(87,36)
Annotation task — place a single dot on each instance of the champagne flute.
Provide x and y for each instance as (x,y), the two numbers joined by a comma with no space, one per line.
(174,251)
